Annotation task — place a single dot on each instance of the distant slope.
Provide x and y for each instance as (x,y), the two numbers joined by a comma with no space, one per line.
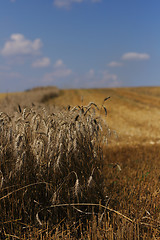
(134,113)
(10,101)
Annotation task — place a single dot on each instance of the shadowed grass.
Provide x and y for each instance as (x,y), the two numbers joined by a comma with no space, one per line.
(49,158)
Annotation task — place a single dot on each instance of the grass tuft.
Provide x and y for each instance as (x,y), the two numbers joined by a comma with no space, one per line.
(50,160)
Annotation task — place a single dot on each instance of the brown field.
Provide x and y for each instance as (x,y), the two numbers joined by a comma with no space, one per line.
(132,112)
(129,165)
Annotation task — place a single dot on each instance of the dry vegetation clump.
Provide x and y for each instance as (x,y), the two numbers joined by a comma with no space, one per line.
(35,96)
(49,161)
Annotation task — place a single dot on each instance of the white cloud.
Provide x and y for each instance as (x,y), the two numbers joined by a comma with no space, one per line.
(55,75)
(110,79)
(65,3)
(115,64)
(91,73)
(59,64)
(135,56)
(19,45)
(60,71)
(102,79)
(41,63)
(68,3)
(106,79)
(96,79)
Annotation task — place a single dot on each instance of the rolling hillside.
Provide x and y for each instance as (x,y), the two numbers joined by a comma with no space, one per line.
(134,113)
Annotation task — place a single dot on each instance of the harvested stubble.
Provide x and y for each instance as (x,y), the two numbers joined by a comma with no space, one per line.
(49,158)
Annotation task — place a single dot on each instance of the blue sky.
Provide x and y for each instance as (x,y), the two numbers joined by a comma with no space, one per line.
(79,43)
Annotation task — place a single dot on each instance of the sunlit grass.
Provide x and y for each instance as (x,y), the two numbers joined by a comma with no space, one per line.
(61,179)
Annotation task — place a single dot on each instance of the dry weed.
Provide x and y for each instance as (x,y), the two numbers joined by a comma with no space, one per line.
(49,158)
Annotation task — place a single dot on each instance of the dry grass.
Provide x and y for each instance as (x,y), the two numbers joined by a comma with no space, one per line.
(59,179)
(132,112)
(134,190)
(49,160)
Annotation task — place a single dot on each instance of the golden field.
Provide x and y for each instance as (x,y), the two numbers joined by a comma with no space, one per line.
(132,112)
(125,169)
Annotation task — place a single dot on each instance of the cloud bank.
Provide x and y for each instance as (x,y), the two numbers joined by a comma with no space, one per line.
(115,64)
(19,45)
(68,3)
(41,63)
(135,56)
(60,71)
